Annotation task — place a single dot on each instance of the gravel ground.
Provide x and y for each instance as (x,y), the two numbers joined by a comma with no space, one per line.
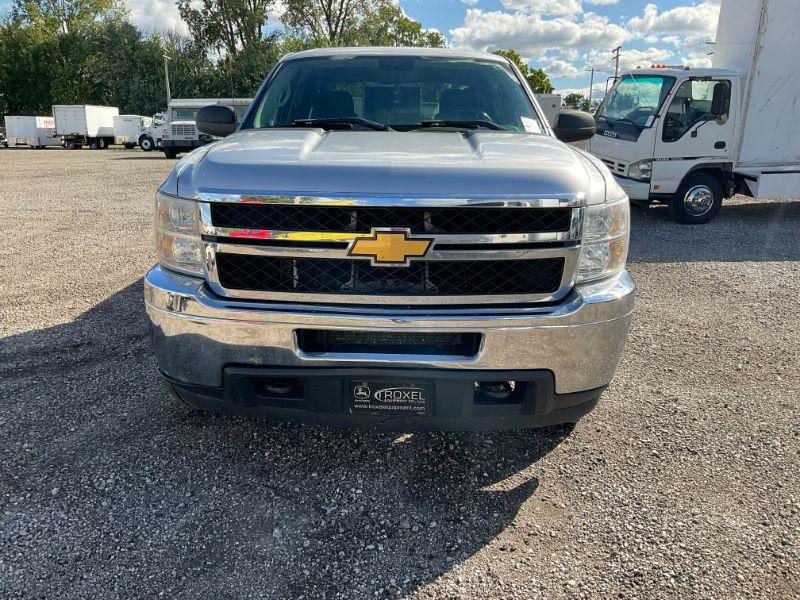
(682,483)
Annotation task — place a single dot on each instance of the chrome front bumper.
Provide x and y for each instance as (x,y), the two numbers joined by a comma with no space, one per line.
(196,334)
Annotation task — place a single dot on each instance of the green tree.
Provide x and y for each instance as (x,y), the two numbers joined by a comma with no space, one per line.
(577,100)
(356,23)
(537,79)
(389,26)
(229,25)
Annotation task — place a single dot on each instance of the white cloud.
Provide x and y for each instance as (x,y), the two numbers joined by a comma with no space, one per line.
(556,67)
(598,90)
(545,7)
(156,15)
(602,2)
(470,2)
(694,22)
(531,35)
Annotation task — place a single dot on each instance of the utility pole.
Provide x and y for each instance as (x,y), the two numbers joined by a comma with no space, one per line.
(615,58)
(591,85)
(167,58)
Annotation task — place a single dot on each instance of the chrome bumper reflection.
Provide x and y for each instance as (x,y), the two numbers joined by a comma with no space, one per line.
(196,333)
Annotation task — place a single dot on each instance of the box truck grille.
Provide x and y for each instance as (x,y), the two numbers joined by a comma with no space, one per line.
(428,278)
(184,130)
(363,219)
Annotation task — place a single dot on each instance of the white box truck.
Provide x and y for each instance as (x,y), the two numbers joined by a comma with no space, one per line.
(85,125)
(550,105)
(180,133)
(36,132)
(691,137)
(128,128)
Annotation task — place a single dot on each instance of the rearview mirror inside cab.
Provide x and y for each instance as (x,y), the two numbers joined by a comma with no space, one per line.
(216,120)
(574,126)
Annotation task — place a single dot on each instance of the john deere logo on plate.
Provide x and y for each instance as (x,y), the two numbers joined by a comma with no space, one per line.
(390,247)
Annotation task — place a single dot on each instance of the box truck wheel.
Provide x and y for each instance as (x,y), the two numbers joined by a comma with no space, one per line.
(170,152)
(146,143)
(102,143)
(697,200)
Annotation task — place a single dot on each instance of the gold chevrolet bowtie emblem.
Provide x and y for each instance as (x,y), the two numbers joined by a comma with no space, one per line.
(390,247)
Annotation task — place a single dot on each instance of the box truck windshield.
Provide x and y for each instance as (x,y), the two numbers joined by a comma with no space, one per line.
(184,114)
(635,100)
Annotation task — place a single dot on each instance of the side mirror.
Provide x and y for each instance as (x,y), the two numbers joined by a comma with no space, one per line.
(216,120)
(574,126)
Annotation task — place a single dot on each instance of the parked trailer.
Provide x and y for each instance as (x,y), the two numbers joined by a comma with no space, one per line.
(85,125)
(128,128)
(691,137)
(550,105)
(180,133)
(36,132)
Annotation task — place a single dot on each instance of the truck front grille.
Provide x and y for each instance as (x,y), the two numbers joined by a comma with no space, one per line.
(431,278)
(185,130)
(366,250)
(362,219)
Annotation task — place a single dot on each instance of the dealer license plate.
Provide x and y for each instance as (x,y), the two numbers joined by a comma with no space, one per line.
(390,397)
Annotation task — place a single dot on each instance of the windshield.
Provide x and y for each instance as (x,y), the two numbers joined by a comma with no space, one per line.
(184,114)
(636,99)
(402,92)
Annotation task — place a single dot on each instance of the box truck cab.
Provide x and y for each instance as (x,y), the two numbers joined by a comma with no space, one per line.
(691,137)
(180,133)
(150,136)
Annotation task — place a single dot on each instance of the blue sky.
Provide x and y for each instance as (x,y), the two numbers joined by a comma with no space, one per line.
(564,37)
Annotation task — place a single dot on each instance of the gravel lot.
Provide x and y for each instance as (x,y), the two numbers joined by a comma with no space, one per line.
(683,482)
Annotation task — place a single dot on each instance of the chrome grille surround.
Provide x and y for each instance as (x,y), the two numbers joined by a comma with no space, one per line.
(333,245)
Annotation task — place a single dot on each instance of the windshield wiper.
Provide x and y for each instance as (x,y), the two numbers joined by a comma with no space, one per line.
(624,120)
(466,124)
(323,123)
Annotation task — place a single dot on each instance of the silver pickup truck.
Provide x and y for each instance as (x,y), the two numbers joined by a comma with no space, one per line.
(391,238)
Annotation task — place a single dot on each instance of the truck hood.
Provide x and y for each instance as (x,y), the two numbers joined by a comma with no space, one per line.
(371,163)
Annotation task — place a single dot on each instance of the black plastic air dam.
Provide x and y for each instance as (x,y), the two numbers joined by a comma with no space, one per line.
(324,396)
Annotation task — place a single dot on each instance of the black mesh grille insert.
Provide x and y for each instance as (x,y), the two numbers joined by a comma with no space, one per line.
(362,219)
(430,278)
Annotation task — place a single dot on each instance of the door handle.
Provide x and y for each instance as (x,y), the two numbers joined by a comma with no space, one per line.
(719,145)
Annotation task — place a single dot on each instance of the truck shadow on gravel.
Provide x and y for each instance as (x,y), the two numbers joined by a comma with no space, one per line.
(753,230)
(109,488)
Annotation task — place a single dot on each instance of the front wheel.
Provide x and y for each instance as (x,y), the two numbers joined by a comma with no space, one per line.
(146,143)
(698,199)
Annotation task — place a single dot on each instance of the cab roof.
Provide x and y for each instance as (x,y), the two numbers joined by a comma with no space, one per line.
(394,51)
(682,72)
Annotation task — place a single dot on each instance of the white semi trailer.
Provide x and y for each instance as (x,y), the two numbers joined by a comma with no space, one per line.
(85,125)
(691,137)
(128,128)
(180,133)
(550,105)
(36,132)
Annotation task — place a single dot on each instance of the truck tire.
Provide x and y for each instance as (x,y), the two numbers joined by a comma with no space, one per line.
(146,143)
(698,199)
(102,143)
(129,146)
(170,152)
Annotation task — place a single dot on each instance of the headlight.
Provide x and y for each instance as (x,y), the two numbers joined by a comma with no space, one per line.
(178,234)
(604,249)
(641,170)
